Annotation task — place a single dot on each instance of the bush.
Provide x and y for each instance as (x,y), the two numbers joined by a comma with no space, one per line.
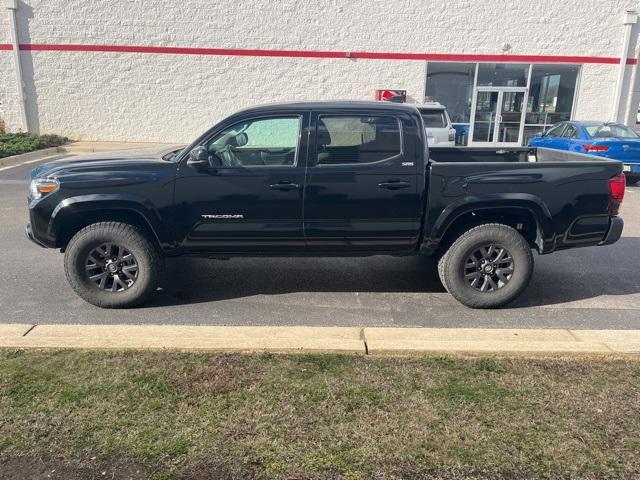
(17,143)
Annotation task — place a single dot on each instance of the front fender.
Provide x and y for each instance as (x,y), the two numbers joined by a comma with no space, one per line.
(78,205)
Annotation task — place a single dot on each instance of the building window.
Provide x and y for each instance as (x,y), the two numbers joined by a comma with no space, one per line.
(503,74)
(451,84)
(551,94)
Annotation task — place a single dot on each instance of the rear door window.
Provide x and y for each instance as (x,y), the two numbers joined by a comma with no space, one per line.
(570,132)
(346,139)
(434,119)
(555,131)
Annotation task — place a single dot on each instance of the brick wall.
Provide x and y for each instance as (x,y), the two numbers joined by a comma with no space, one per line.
(160,97)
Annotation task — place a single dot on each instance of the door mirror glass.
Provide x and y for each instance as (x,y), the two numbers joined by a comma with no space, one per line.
(242,139)
(198,157)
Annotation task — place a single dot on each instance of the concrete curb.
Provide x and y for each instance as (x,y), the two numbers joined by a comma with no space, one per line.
(351,339)
(26,157)
(73,149)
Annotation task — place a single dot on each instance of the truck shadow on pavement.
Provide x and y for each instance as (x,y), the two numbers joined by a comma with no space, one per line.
(563,277)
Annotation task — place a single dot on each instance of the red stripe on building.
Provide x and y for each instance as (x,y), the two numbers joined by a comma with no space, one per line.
(241,52)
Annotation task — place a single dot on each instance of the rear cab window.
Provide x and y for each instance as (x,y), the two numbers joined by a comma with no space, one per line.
(434,118)
(355,139)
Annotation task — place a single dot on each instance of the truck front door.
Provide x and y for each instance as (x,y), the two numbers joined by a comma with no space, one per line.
(247,196)
(361,191)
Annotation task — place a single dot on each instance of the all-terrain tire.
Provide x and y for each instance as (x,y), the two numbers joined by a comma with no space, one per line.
(454,265)
(149,261)
(441,264)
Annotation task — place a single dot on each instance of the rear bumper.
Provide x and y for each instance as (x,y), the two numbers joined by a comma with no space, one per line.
(631,168)
(616,225)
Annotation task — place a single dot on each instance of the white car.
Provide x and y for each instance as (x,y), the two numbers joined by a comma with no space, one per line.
(437,124)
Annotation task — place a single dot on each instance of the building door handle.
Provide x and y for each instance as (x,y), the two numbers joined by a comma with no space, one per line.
(284,186)
(394,184)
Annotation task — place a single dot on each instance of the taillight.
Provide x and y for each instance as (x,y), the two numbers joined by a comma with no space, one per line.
(452,135)
(616,193)
(595,148)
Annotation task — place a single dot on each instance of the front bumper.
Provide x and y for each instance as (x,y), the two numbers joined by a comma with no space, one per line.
(614,233)
(29,232)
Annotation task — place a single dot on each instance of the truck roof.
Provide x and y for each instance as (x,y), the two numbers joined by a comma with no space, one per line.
(334,104)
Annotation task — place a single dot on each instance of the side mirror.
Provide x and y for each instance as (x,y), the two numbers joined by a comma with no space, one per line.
(242,139)
(198,157)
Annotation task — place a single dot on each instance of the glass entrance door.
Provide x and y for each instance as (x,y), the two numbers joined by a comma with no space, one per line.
(498,116)
(484,117)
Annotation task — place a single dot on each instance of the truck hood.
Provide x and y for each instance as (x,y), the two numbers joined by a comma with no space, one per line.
(106,161)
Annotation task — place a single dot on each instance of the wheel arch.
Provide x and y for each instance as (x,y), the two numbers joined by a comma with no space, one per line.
(525,213)
(73,214)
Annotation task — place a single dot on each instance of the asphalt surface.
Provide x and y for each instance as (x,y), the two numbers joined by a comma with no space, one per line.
(588,288)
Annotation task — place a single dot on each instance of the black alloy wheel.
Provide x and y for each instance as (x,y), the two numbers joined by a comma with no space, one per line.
(112,267)
(489,268)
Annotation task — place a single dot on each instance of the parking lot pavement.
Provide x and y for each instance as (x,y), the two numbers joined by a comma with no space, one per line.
(590,288)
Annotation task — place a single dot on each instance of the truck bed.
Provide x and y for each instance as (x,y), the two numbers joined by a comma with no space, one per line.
(566,193)
(507,155)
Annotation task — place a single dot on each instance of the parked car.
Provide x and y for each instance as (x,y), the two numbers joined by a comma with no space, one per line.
(321,179)
(609,140)
(437,124)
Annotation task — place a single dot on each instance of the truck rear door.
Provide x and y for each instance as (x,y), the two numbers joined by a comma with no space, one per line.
(361,191)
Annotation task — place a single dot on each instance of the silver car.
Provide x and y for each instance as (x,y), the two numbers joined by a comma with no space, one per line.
(437,124)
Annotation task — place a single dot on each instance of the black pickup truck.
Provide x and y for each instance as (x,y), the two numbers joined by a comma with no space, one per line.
(322,179)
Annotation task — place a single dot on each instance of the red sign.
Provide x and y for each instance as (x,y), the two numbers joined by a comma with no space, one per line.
(397,96)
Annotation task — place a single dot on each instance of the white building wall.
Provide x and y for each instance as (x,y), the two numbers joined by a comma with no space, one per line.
(161,97)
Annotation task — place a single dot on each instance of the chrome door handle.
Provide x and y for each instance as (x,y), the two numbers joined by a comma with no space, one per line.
(394,184)
(284,186)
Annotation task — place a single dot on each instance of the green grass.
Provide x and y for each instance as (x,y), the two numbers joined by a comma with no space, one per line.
(17,143)
(209,415)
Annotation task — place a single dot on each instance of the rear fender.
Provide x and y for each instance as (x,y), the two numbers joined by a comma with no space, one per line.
(504,203)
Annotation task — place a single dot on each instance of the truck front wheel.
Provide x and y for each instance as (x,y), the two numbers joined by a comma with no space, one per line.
(113,265)
(487,267)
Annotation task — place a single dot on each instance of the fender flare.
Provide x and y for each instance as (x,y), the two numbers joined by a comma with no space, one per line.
(105,202)
(545,237)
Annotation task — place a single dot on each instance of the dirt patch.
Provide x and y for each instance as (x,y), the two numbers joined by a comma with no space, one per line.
(34,468)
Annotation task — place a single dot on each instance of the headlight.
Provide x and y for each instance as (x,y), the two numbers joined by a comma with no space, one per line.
(40,187)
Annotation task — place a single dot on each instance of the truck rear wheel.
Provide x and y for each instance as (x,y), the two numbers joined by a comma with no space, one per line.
(113,265)
(487,266)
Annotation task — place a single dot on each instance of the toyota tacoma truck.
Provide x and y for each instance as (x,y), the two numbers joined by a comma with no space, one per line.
(322,179)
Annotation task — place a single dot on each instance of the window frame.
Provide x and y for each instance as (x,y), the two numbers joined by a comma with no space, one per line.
(319,115)
(300,116)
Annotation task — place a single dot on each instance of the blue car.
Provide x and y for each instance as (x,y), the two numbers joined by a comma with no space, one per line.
(610,140)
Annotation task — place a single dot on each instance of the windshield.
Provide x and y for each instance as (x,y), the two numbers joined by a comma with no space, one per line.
(611,131)
(434,119)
